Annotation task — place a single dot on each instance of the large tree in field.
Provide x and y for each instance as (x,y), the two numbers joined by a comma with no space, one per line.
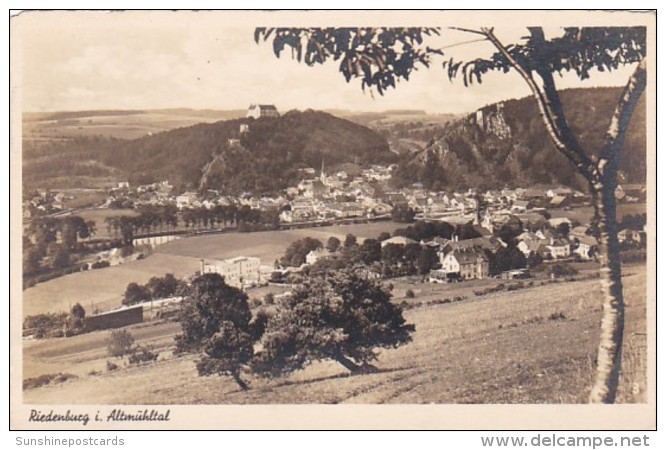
(342,316)
(380,57)
(215,320)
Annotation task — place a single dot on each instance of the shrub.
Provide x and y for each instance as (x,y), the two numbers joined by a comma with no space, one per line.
(45,325)
(256,303)
(49,378)
(135,293)
(100,264)
(142,354)
(561,270)
(111,366)
(557,316)
(269,299)
(120,343)
(410,294)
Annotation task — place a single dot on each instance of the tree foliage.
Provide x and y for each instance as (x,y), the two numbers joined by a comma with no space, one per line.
(380,57)
(136,293)
(121,343)
(333,244)
(578,50)
(215,321)
(342,316)
(297,251)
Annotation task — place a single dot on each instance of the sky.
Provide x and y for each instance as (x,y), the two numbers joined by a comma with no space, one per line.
(70,61)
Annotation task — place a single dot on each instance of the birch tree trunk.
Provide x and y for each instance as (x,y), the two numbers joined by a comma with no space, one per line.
(609,353)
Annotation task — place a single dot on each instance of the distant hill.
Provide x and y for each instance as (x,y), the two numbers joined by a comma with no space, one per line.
(507,144)
(122,124)
(217,155)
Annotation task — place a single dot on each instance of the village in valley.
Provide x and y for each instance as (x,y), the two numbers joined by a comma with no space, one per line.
(500,233)
(287,254)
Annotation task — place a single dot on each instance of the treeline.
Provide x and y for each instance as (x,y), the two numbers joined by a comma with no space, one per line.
(165,219)
(49,325)
(156,288)
(389,261)
(394,260)
(49,243)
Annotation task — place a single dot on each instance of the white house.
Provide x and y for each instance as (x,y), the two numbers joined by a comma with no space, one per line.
(237,271)
(559,248)
(259,111)
(557,221)
(587,246)
(468,264)
(538,246)
(520,205)
(316,255)
(185,200)
(551,193)
(628,235)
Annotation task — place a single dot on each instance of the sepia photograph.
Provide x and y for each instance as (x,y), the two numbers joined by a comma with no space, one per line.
(333,219)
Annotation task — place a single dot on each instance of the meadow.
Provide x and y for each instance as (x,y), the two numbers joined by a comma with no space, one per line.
(535,345)
(103,288)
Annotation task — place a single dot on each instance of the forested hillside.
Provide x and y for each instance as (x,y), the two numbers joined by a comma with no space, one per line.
(265,158)
(507,144)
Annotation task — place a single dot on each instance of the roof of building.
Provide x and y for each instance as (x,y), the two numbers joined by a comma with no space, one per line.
(588,240)
(399,240)
(467,256)
(579,230)
(527,236)
(467,244)
(264,107)
(558,200)
(562,191)
(555,221)
(533,193)
(558,243)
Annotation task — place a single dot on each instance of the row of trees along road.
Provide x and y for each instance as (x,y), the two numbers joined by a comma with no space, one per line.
(152,219)
(344,317)
(380,57)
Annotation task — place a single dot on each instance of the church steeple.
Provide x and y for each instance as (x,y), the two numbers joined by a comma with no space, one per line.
(322,176)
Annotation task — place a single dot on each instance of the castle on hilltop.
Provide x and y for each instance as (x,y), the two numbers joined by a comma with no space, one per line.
(258,111)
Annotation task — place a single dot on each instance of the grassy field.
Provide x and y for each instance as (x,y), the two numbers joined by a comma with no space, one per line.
(535,345)
(122,125)
(584,214)
(99,215)
(104,288)
(267,245)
